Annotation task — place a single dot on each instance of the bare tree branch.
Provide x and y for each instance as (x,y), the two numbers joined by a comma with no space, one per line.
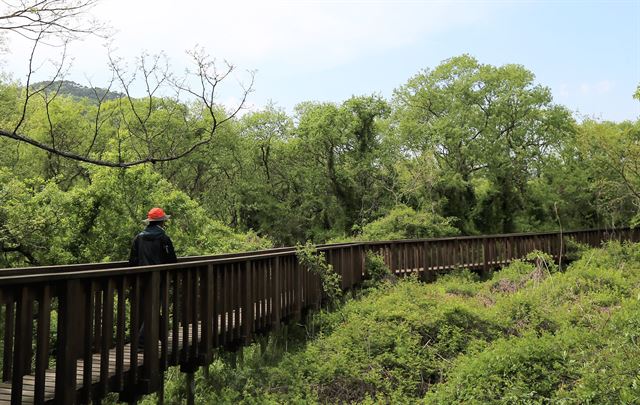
(34,19)
(146,129)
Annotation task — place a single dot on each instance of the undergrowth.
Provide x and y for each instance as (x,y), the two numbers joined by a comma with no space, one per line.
(530,334)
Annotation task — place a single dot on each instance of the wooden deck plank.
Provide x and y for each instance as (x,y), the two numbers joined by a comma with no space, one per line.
(50,374)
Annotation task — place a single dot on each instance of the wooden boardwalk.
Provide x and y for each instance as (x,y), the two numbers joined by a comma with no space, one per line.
(85,319)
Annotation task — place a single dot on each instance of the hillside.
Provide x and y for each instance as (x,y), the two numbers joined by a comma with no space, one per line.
(73,89)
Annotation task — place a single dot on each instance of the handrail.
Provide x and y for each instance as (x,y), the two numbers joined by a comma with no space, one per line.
(118,265)
(81,267)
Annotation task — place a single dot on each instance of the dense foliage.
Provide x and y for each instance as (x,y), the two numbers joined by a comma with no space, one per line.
(41,223)
(529,334)
(462,148)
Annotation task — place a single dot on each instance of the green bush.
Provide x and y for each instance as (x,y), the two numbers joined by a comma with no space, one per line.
(460,282)
(376,270)
(97,223)
(574,249)
(404,222)
(528,369)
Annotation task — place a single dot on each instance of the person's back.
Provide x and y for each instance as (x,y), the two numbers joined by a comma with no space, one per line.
(149,247)
(152,246)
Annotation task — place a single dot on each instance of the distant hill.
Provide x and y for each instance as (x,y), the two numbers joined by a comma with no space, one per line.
(73,89)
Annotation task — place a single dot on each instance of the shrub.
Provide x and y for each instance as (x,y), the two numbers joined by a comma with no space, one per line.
(404,222)
(574,249)
(376,269)
(309,257)
(529,369)
(460,282)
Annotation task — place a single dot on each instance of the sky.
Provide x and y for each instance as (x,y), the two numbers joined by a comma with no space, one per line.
(586,52)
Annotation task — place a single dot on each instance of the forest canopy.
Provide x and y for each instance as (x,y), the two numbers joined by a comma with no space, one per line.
(461,148)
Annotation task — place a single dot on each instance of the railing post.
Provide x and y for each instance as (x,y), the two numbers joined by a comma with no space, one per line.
(164,323)
(207,292)
(248,311)
(393,254)
(134,329)
(485,256)
(22,347)
(427,275)
(341,268)
(297,290)
(277,300)
(87,375)
(190,389)
(107,335)
(194,316)
(363,261)
(560,247)
(161,391)
(510,249)
(70,299)
(151,367)
(352,266)
(457,262)
(42,348)
(9,320)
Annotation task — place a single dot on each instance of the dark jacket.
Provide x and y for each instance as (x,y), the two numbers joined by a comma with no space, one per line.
(152,246)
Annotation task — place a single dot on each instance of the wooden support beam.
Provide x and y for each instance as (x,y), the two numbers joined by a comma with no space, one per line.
(42,346)
(191,388)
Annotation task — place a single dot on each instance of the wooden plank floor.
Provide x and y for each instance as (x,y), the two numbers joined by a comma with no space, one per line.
(50,374)
(226,324)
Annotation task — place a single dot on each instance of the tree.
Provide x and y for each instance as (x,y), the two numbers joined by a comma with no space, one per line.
(341,145)
(188,99)
(481,121)
(611,153)
(41,224)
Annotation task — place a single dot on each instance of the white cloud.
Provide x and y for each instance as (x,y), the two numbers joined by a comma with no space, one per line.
(591,88)
(603,86)
(580,94)
(585,88)
(563,92)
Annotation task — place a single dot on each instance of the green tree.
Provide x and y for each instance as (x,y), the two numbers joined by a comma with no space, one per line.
(610,154)
(42,224)
(478,120)
(341,150)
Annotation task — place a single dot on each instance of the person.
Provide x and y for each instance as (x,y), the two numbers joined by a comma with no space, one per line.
(153,245)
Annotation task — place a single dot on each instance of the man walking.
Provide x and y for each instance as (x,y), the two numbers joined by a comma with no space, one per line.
(153,246)
(149,247)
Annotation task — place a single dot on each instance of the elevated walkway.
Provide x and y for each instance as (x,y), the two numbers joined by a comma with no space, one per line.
(70,332)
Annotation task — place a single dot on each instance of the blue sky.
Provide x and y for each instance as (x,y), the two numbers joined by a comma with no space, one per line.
(587,52)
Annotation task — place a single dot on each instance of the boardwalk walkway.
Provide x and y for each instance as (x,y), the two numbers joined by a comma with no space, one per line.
(50,374)
(68,331)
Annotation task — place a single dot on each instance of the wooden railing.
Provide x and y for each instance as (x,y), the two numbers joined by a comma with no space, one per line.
(72,334)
